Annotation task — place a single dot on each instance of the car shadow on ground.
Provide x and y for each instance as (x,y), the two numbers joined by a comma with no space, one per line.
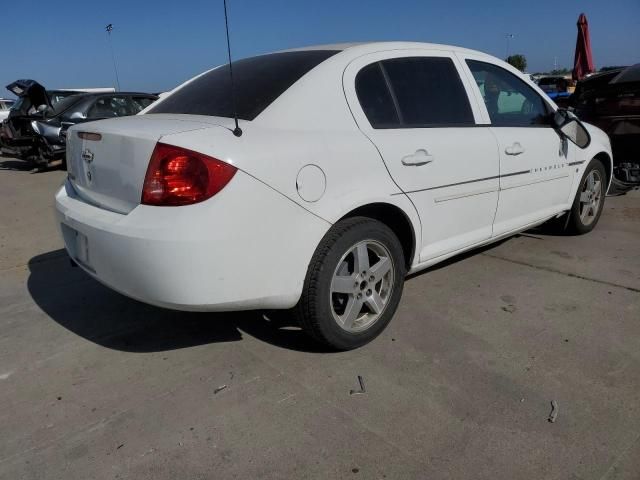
(85,307)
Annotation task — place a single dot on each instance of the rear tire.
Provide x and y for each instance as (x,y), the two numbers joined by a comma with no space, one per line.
(353,285)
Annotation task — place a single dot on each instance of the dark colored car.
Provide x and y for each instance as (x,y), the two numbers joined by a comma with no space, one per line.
(611,101)
(553,84)
(36,126)
(556,88)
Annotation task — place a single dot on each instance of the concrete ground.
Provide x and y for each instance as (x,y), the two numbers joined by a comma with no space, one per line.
(94,385)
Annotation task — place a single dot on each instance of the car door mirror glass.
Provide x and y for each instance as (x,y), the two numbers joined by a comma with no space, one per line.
(572,128)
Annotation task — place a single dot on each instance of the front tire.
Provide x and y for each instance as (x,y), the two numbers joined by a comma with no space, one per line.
(589,200)
(353,284)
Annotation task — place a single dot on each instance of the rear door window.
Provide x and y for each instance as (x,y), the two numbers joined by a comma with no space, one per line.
(429,91)
(375,97)
(258,81)
(423,92)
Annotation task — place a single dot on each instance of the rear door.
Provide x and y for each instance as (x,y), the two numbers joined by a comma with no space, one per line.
(413,105)
(536,171)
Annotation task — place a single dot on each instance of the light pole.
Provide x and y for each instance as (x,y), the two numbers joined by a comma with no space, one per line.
(508,36)
(109,29)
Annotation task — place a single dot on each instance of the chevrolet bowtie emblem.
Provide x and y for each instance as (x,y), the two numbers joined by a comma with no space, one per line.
(87,155)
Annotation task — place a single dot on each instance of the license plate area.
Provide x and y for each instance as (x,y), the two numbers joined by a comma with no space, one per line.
(78,246)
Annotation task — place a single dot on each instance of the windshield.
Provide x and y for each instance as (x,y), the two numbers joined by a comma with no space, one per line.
(258,81)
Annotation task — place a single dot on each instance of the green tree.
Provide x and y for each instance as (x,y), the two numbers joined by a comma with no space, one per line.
(518,60)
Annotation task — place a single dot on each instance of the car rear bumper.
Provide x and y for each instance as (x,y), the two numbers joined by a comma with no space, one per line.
(246,248)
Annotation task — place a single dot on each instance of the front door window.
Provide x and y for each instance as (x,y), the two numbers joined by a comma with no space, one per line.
(509,100)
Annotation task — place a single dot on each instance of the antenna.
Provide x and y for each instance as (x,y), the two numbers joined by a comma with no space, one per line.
(508,36)
(236,131)
(109,29)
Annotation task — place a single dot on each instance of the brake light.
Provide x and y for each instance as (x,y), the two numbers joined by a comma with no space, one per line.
(177,176)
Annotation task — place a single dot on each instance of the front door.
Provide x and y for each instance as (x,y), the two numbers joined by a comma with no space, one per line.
(413,105)
(536,171)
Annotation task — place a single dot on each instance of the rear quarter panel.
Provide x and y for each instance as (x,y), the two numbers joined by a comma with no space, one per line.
(353,169)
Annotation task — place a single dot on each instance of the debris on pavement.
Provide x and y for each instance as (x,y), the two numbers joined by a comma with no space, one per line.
(291,395)
(219,389)
(151,450)
(362,389)
(554,411)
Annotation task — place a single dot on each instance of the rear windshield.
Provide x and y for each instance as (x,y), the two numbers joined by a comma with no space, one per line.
(258,81)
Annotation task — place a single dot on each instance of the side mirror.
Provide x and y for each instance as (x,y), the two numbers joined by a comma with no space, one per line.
(572,128)
(77,116)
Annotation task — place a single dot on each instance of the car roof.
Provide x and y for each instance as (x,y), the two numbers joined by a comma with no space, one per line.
(362,48)
(109,94)
(327,98)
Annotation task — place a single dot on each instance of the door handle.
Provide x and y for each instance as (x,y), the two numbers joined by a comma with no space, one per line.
(421,157)
(515,149)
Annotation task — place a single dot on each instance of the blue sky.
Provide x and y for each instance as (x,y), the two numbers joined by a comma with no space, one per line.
(160,43)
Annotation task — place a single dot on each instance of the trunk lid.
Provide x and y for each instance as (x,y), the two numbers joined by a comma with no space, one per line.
(109,172)
(32,90)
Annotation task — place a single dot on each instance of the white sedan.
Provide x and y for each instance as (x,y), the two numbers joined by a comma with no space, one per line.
(353,166)
(5,107)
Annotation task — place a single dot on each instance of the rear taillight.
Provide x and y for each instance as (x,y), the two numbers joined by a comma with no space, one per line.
(177,176)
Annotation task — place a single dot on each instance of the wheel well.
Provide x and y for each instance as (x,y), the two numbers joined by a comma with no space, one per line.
(606,161)
(394,218)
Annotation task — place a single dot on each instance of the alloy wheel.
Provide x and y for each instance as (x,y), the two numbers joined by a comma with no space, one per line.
(361,285)
(590,197)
